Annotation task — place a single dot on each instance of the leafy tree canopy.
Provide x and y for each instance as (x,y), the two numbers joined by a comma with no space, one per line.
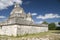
(59,23)
(52,26)
(44,22)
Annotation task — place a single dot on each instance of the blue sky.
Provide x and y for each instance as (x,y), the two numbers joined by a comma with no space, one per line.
(41,10)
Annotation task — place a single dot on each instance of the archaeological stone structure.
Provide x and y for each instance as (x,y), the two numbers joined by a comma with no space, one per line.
(20,23)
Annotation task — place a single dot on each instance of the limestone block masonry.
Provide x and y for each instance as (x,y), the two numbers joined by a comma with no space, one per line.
(14,30)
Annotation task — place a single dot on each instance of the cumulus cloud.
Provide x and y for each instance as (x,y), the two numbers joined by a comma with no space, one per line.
(2,17)
(33,14)
(48,16)
(5,3)
(57,24)
(40,22)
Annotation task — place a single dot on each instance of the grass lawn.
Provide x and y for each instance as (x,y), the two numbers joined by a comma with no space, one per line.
(54,30)
(40,34)
(37,34)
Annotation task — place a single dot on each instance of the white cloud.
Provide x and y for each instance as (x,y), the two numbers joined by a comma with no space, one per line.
(33,14)
(5,3)
(2,17)
(57,24)
(39,22)
(48,16)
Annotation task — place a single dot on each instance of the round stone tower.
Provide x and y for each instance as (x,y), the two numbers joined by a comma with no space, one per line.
(17,11)
(18,15)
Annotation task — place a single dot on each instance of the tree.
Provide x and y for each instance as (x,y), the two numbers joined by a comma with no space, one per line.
(59,23)
(44,22)
(57,28)
(52,26)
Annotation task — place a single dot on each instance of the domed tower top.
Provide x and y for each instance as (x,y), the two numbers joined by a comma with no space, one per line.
(17,4)
(17,11)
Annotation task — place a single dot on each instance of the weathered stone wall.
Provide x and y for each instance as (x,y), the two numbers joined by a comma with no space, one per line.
(14,30)
(10,30)
(21,30)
